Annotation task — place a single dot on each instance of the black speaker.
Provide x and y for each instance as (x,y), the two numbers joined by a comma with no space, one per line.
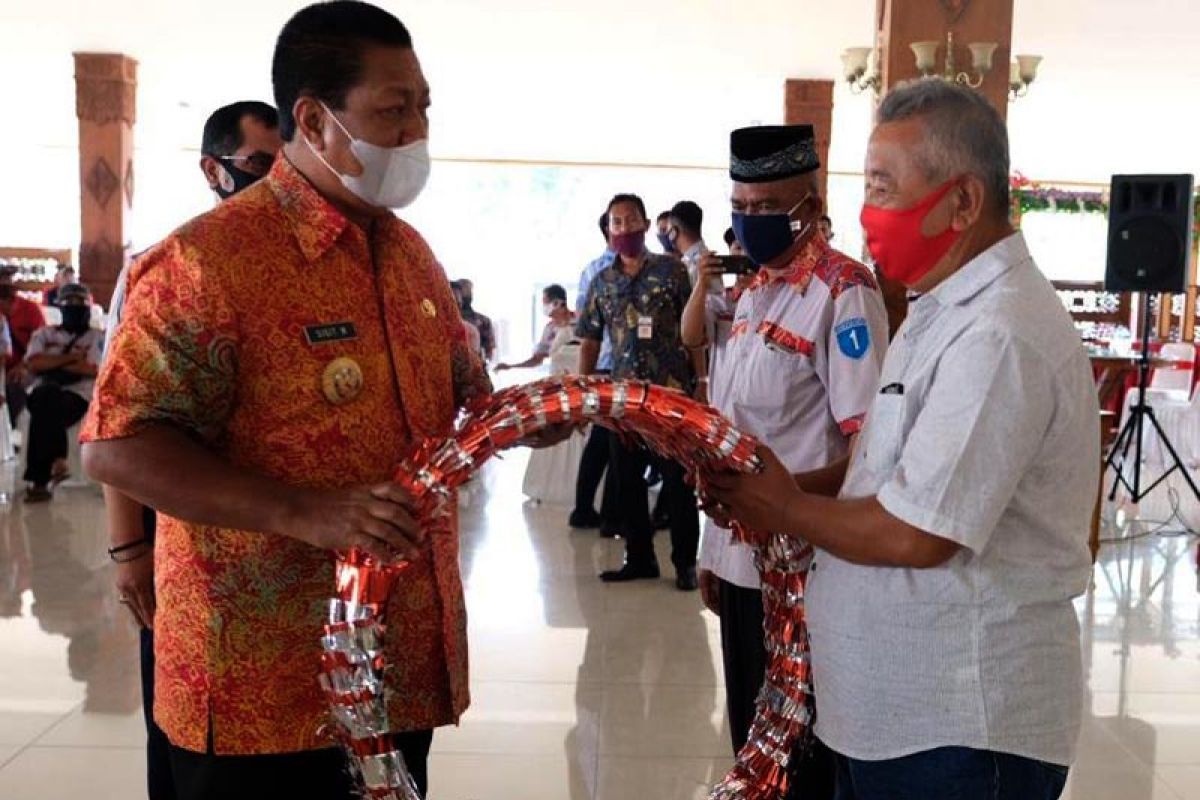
(1149,233)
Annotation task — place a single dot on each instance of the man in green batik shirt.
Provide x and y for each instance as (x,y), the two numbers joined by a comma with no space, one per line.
(638,301)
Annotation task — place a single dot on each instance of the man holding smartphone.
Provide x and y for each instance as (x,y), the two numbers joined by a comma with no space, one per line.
(707,320)
(799,372)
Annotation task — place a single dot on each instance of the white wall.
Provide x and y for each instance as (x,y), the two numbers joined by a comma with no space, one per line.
(617,82)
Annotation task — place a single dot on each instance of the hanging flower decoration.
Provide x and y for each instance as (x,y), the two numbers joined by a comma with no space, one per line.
(354,670)
(1027,196)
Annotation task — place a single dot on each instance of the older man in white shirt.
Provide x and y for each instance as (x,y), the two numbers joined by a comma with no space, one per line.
(798,370)
(945,647)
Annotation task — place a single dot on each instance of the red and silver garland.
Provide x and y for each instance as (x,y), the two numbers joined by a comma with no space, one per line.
(353,666)
(784,710)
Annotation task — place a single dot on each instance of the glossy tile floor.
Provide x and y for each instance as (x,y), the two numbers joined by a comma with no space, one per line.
(582,691)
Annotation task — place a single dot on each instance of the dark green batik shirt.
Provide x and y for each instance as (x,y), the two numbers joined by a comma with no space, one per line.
(641,315)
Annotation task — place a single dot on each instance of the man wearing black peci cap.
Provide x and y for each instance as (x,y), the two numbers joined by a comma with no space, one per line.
(951,545)
(798,372)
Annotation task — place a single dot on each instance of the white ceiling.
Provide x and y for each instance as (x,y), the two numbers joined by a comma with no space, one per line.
(625,81)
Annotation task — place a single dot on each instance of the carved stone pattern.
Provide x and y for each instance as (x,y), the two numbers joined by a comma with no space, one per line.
(129,182)
(102,182)
(106,66)
(104,102)
(100,261)
(815,93)
(105,88)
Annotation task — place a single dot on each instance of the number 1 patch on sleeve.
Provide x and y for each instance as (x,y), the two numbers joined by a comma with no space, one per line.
(853,337)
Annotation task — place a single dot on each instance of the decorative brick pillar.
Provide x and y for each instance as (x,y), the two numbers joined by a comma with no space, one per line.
(902,22)
(811,102)
(106,104)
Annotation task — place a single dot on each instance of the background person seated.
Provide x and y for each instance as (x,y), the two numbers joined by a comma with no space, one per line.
(64,276)
(23,317)
(64,360)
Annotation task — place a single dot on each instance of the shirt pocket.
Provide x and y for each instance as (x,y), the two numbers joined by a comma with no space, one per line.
(884,432)
(769,377)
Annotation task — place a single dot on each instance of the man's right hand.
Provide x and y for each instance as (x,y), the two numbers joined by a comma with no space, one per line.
(710,592)
(376,519)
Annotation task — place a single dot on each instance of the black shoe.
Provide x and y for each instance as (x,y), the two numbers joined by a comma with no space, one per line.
(685,580)
(584,519)
(630,572)
(38,494)
(610,531)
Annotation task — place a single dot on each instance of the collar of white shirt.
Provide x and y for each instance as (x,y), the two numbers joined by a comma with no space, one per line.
(982,271)
(693,254)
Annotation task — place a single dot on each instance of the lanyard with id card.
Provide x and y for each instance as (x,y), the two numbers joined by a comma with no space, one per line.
(645,327)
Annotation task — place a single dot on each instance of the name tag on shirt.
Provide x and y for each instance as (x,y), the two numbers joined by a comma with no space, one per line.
(645,327)
(333,332)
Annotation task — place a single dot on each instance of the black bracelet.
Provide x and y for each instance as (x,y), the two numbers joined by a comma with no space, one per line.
(130,559)
(113,551)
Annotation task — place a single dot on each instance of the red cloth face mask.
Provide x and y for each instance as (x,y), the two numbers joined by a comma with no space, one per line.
(895,241)
(630,244)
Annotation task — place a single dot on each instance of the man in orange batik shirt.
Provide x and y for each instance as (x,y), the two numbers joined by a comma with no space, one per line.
(277,357)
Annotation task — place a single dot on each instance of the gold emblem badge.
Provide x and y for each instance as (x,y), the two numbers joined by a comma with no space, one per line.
(428,308)
(342,381)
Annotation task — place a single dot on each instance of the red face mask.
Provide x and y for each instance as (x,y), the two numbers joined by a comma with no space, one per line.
(895,241)
(629,244)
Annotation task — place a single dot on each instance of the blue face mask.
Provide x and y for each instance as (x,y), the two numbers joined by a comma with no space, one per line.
(664,240)
(768,236)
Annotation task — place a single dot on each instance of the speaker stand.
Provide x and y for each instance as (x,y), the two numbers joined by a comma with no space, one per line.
(1131,432)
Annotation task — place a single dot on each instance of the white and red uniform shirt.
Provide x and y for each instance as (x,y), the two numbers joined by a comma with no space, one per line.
(799,371)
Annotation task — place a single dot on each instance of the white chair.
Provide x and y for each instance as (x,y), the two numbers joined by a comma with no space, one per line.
(1170,395)
(74,455)
(8,450)
(75,459)
(1181,423)
(1173,383)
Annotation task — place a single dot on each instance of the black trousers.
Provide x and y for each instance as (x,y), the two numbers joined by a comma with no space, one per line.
(52,409)
(745,661)
(634,506)
(315,773)
(595,461)
(159,783)
(16,398)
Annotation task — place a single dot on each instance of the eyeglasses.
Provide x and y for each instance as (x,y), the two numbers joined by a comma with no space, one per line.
(258,163)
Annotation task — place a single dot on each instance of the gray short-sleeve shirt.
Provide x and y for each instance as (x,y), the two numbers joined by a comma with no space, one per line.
(984,432)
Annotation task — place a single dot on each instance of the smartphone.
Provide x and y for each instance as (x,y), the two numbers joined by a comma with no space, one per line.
(737,265)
